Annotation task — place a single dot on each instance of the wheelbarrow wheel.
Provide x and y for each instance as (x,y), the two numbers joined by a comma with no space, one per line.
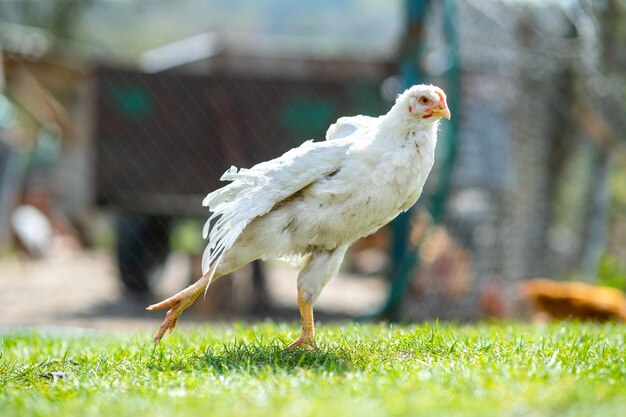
(142,247)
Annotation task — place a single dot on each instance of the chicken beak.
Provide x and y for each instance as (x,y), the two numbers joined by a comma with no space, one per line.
(443,109)
(443,112)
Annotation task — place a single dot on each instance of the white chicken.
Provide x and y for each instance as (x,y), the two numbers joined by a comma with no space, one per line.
(312,202)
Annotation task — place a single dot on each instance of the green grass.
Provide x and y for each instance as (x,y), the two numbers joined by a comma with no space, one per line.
(566,369)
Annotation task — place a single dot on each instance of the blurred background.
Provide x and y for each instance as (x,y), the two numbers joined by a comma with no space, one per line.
(118,116)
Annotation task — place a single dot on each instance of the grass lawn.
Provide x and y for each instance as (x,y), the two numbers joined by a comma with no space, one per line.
(568,369)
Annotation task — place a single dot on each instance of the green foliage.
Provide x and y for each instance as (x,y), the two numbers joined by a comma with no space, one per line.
(612,273)
(568,369)
(186,236)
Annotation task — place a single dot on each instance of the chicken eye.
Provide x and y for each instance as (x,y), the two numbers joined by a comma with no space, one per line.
(423,100)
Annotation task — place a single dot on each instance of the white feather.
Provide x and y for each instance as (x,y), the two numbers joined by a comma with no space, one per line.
(254,192)
(350,125)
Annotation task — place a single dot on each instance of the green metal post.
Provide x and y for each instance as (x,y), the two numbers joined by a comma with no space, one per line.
(404,258)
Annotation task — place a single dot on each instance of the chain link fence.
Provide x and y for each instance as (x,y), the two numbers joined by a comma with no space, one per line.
(529,195)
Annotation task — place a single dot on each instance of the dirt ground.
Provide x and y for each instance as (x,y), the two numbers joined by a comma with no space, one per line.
(81,290)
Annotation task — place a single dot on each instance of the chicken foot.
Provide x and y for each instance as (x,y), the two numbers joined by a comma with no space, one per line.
(178,303)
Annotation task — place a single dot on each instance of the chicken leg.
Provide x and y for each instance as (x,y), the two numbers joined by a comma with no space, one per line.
(319,268)
(307,338)
(179,302)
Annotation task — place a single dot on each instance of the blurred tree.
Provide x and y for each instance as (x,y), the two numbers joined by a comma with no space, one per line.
(605,63)
(57,16)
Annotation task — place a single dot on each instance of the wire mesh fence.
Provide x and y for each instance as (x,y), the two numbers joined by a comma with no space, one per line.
(525,169)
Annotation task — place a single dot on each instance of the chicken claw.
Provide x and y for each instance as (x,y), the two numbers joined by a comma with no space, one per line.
(303,343)
(177,304)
